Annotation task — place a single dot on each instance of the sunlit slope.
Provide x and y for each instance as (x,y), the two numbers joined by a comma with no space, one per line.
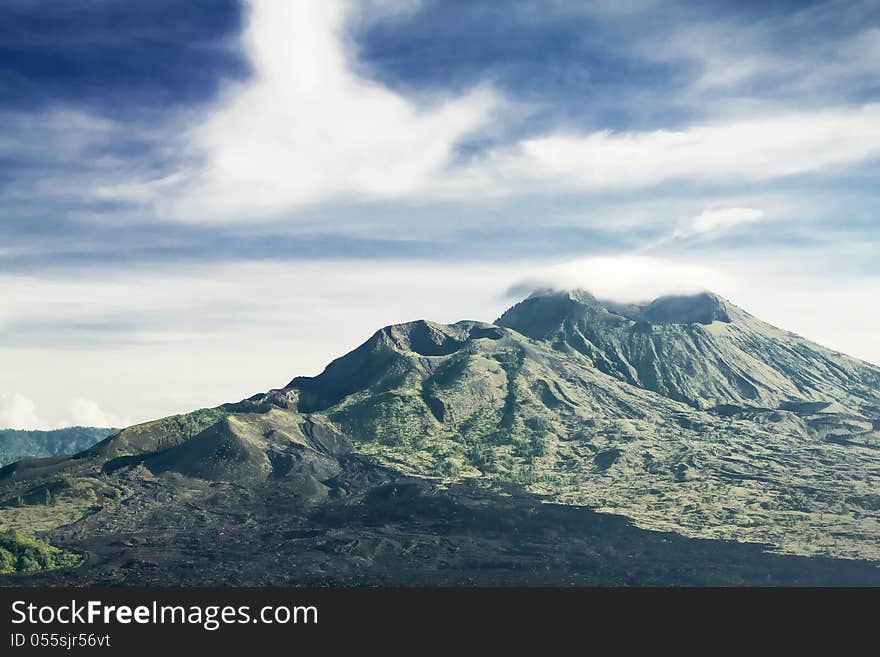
(699,349)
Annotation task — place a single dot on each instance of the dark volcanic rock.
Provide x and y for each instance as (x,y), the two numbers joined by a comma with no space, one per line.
(389,530)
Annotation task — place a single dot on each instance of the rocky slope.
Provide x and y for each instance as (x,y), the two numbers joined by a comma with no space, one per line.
(685,415)
(701,350)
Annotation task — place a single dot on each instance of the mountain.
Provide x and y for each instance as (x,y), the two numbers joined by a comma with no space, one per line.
(685,415)
(17,444)
(701,350)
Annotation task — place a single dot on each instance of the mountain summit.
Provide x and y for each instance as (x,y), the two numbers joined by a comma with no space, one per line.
(685,414)
(544,305)
(699,349)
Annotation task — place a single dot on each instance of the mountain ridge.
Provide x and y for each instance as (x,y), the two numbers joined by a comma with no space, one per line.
(717,427)
(701,307)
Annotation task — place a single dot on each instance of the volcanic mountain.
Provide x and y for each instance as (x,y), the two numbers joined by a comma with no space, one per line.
(701,350)
(685,415)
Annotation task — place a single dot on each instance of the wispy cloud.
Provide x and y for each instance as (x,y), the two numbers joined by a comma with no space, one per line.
(717,221)
(750,150)
(87,413)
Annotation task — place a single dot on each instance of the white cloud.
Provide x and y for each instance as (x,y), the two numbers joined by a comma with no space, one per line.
(724,153)
(624,277)
(311,126)
(308,126)
(717,221)
(19,412)
(87,413)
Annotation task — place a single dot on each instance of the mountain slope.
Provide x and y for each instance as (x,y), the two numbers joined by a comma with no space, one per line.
(701,349)
(685,415)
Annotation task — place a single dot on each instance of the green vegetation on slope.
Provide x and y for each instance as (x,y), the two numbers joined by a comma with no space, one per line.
(20,553)
(159,434)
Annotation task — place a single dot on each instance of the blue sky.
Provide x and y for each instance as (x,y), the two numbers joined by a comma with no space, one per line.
(200,200)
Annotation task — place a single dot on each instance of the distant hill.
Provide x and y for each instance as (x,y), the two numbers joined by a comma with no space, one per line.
(17,444)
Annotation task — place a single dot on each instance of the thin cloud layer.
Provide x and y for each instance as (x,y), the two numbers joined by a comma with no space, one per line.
(623,278)
(718,220)
(722,153)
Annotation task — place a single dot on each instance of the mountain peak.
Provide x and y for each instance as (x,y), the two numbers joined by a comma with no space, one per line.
(579,295)
(701,308)
(547,307)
